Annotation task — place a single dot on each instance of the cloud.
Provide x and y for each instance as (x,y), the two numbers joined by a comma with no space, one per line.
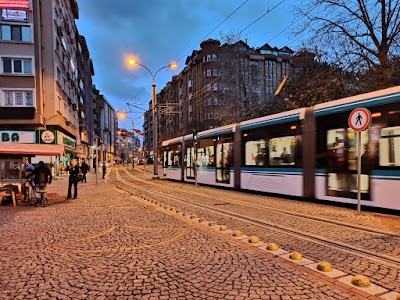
(160,31)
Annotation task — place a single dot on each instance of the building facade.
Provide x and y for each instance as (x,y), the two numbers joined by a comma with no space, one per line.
(220,84)
(105,126)
(46,82)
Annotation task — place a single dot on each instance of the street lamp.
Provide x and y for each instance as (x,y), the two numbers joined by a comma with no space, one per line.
(132,61)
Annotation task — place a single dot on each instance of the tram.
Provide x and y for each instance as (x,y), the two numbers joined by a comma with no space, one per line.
(309,153)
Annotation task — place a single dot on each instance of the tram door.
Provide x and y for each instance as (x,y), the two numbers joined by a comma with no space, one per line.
(224,159)
(189,160)
(341,163)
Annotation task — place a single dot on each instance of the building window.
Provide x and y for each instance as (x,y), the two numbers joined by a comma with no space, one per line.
(17,66)
(215,72)
(208,73)
(190,83)
(215,87)
(208,57)
(209,87)
(214,57)
(17,98)
(15,33)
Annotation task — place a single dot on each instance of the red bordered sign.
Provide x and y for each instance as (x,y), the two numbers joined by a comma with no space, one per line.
(14,4)
(360,119)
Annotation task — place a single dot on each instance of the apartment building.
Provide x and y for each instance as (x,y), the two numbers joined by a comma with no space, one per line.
(105,126)
(45,81)
(220,84)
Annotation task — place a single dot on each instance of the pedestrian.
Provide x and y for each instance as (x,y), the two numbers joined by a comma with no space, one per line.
(73,170)
(27,168)
(42,177)
(104,169)
(84,169)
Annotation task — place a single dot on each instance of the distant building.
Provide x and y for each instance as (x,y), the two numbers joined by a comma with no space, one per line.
(105,126)
(220,84)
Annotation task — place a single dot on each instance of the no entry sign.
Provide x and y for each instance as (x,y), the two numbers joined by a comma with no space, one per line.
(359,119)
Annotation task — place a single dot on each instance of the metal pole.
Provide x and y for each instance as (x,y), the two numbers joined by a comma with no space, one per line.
(133,146)
(153,106)
(97,156)
(358,171)
(195,158)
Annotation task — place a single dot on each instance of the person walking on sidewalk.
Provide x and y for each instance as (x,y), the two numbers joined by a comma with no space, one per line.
(73,170)
(84,169)
(104,169)
(42,177)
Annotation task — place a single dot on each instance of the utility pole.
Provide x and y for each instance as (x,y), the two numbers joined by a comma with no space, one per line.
(133,146)
(195,157)
(96,140)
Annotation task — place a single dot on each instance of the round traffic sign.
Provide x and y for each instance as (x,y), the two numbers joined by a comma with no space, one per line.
(359,119)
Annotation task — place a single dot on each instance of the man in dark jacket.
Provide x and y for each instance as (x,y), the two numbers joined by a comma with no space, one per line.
(84,169)
(42,177)
(73,170)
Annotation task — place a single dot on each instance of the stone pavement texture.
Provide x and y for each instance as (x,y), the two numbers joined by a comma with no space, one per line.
(108,245)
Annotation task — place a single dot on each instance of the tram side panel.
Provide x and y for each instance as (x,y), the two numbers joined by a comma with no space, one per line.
(336,154)
(271,150)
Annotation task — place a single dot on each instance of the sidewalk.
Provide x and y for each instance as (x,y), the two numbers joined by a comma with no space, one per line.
(109,245)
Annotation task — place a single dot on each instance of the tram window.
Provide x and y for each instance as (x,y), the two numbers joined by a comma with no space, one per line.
(282,151)
(352,151)
(205,156)
(170,153)
(189,157)
(335,138)
(174,158)
(255,153)
(389,147)
(224,160)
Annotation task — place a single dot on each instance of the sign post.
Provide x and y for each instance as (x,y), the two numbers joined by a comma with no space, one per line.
(359,120)
(96,141)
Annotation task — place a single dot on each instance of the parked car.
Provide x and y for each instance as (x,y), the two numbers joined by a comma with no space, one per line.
(150,160)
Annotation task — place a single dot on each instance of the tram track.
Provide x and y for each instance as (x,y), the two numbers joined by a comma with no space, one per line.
(274,209)
(388,260)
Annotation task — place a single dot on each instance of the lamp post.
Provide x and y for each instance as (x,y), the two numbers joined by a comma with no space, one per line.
(153,107)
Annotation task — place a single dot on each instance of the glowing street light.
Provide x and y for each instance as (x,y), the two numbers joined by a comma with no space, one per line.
(134,62)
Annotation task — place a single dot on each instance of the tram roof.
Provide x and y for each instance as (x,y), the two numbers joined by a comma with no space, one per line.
(217,131)
(283,117)
(171,141)
(380,97)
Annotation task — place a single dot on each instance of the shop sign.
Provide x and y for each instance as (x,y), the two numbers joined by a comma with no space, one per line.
(46,137)
(25,137)
(14,15)
(67,142)
(16,4)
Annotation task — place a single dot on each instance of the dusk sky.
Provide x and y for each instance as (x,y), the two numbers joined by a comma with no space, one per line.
(158,32)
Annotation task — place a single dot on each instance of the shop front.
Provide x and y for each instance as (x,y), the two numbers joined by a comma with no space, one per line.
(17,148)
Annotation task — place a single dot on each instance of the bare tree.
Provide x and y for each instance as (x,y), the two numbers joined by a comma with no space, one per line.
(313,81)
(362,37)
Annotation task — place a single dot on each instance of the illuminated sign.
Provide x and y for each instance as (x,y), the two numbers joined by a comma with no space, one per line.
(14,4)
(47,137)
(26,137)
(14,15)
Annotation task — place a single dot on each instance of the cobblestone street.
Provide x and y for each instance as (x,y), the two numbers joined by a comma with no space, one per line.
(107,244)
